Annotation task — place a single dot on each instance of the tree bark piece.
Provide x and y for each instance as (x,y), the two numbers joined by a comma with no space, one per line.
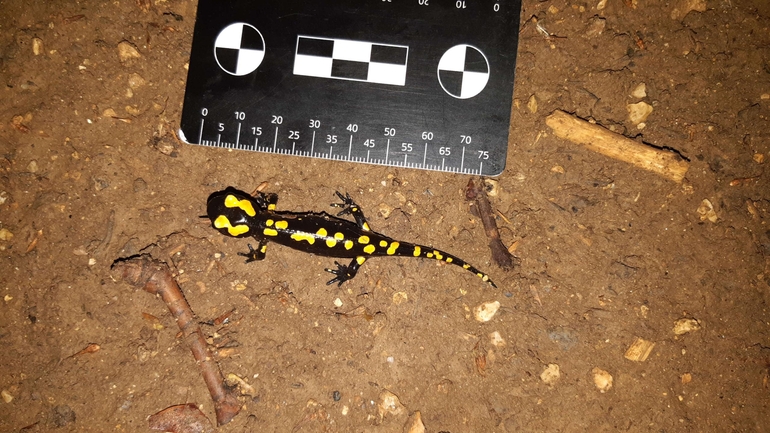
(599,139)
(155,277)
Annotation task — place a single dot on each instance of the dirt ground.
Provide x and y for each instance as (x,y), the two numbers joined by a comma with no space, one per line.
(609,253)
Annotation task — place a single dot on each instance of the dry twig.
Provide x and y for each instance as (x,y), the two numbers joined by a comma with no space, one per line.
(155,278)
(483,209)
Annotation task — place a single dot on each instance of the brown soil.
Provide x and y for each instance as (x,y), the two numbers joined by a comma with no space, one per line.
(92,171)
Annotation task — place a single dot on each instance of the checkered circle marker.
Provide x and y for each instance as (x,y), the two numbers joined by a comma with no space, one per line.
(239,49)
(463,71)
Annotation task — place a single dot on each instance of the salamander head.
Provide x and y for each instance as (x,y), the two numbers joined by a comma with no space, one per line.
(230,211)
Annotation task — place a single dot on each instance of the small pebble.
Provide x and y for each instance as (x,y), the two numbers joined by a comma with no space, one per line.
(32,166)
(550,374)
(496,339)
(139,184)
(400,297)
(5,235)
(683,326)
(389,404)
(602,379)
(37,46)
(639,112)
(415,425)
(136,81)
(640,91)
(486,311)
(384,210)
(127,51)
(100,184)
(707,212)
(532,104)
(63,415)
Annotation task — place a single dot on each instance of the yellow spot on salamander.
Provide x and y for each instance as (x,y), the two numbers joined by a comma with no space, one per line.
(485,278)
(270,232)
(263,249)
(417,251)
(360,260)
(321,232)
(222,222)
(438,255)
(383,243)
(269,223)
(369,249)
(303,237)
(392,248)
(365,226)
(429,255)
(449,260)
(348,244)
(466,266)
(271,207)
(281,225)
(245,205)
(363,240)
(238,230)
(338,237)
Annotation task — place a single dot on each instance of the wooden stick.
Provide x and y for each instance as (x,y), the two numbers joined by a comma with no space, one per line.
(596,138)
(156,278)
(478,197)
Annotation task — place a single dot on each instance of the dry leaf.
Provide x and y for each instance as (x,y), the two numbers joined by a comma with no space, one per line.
(183,418)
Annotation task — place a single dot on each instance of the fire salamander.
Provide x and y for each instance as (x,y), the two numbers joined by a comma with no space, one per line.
(238,214)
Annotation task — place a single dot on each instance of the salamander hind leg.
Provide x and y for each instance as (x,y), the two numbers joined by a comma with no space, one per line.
(345,272)
(350,207)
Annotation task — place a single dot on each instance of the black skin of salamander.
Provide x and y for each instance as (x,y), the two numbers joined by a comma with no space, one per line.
(353,240)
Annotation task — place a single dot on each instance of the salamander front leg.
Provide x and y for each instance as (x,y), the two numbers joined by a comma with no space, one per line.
(345,272)
(253,255)
(350,207)
(266,201)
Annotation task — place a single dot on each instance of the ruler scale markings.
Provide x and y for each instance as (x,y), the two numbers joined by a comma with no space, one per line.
(275,140)
(312,145)
(460,80)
